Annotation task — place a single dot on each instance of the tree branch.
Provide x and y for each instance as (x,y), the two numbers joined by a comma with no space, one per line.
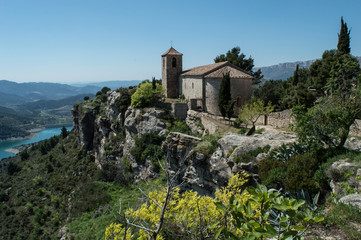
(146,195)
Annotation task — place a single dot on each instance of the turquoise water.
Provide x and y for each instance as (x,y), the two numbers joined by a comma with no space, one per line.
(41,135)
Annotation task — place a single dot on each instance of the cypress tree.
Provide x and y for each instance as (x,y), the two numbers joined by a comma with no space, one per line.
(154,84)
(295,76)
(343,45)
(224,94)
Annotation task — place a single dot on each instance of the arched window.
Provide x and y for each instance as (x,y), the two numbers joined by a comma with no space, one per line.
(174,62)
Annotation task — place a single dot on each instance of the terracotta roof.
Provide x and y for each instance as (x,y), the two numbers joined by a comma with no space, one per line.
(172,51)
(233,73)
(217,70)
(203,70)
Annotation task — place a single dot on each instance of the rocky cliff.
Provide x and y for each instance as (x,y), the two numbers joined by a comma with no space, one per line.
(110,134)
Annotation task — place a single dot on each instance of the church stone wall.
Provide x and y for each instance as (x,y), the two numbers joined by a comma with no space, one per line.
(241,91)
(191,87)
(171,74)
(241,88)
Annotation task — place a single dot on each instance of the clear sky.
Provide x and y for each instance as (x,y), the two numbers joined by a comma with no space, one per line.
(98,40)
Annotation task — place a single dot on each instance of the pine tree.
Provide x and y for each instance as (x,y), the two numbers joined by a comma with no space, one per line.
(154,84)
(224,94)
(343,45)
(239,59)
(64,132)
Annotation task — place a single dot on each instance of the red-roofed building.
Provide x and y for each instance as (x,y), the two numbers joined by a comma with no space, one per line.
(200,85)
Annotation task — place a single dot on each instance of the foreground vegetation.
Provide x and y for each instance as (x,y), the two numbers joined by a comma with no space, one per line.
(56,183)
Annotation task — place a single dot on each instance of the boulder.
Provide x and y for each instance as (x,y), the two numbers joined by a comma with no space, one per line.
(343,172)
(353,143)
(353,199)
(240,144)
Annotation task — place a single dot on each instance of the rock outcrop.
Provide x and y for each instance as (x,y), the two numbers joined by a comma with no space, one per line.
(140,121)
(194,170)
(206,174)
(194,120)
(344,175)
(353,199)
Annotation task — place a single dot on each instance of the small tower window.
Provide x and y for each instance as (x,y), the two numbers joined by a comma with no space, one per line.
(174,62)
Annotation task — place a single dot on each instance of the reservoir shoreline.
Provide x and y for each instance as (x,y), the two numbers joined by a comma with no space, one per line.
(12,147)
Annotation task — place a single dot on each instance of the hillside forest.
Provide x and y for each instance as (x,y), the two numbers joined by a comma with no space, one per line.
(130,169)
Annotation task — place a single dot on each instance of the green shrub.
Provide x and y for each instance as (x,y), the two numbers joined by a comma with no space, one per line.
(89,196)
(299,172)
(148,146)
(13,168)
(123,102)
(340,215)
(250,156)
(286,151)
(208,145)
(179,126)
(147,96)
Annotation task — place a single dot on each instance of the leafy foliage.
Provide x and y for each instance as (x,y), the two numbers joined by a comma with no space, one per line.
(123,102)
(238,59)
(35,206)
(253,110)
(208,145)
(270,91)
(328,122)
(147,96)
(253,219)
(148,146)
(298,172)
(232,213)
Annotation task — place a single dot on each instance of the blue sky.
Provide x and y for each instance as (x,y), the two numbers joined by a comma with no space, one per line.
(98,40)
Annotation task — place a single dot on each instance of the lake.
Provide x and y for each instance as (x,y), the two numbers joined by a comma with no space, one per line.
(41,135)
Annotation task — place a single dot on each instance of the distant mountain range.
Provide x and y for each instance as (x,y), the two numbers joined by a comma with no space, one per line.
(110,84)
(12,93)
(285,70)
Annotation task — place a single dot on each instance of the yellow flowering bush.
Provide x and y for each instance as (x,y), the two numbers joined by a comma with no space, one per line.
(190,213)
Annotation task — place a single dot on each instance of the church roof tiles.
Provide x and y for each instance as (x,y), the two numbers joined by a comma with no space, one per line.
(217,70)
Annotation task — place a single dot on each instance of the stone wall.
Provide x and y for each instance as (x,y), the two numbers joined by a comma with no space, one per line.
(179,110)
(281,119)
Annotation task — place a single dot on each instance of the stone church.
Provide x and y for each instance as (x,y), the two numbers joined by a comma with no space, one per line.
(200,85)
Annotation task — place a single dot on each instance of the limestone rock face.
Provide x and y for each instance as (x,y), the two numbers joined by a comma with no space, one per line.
(96,123)
(341,173)
(193,119)
(194,170)
(206,174)
(83,124)
(140,121)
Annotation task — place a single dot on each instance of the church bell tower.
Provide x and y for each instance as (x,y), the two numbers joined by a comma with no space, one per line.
(171,69)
